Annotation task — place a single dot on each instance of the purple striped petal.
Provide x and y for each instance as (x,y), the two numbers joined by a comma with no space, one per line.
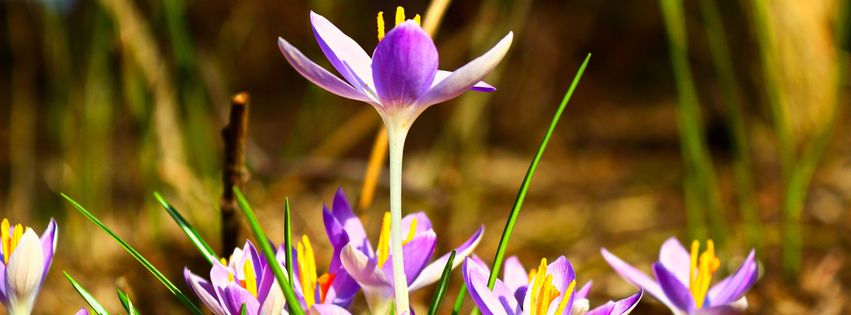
(635,276)
(416,255)
(3,297)
(732,288)
(352,225)
(204,291)
(563,274)
(621,307)
(318,75)
(48,243)
(499,301)
(717,310)
(480,86)
(403,65)
(678,293)
(235,296)
(467,76)
(423,223)
(583,291)
(676,259)
(514,275)
(433,271)
(82,311)
(343,52)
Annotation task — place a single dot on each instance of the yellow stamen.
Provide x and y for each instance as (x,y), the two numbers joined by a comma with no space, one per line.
(567,295)
(250,277)
(417,19)
(384,240)
(701,268)
(412,231)
(538,287)
(400,15)
(6,240)
(307,270)
(380,21)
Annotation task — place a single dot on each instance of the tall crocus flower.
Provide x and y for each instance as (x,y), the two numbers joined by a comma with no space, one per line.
(400,80)
(370,268)
(26,260)
(244,279)
(548,290)
(682,279)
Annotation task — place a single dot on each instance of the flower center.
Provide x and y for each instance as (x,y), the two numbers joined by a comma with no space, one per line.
(384,238)
(400,17)
(701,268)
(311,285)
(10,237)
(250,276)
(543,292)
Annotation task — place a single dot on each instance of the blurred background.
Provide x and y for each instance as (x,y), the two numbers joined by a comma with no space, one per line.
(695,119)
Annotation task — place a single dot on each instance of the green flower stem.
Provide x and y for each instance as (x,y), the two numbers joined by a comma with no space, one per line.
(397,131)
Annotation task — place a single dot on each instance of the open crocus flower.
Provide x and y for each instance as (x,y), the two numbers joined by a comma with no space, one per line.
(244,279)
(26,259)
(371,269)
(400,80)
(548,290)
(334,288)
(683,279)
(401,77)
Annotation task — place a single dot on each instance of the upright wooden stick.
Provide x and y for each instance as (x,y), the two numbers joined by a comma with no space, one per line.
(235,174)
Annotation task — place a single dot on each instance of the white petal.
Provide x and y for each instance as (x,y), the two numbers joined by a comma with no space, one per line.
(274,303)
(25,270)
(317,74)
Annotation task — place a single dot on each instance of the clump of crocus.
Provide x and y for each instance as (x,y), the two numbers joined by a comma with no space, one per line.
(372,269)
(400,80)
(26,260)
(243,279)
(549,289)
(683,278)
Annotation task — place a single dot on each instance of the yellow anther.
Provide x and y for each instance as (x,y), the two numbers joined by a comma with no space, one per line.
(537,288)
(564,299)
(250,277)
(380,21)
(6,240)
(384,240)
(701,268)
(307,270)
(400,15)
(412,231)
(418,19)
(224,261)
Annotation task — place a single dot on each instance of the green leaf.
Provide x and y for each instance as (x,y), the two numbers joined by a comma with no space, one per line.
(442,285)
(459,300)
(190,231)
(141,259)
(266,247)
(95,305)
(524,187)
(125,301)
(242,309)
(288,240)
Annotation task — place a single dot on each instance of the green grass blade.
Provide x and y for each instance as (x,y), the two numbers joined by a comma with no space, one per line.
(141,259)
(95,305)
(441,286)
(459,300)
(524,187)
(288,240)
(242,309)
(190,231)
(263,242)
(125,301)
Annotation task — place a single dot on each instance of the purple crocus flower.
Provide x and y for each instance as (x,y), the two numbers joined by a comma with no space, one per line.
(372,269)
(244,279)
(550,289)
(401,78)
(682,279)
(26,260)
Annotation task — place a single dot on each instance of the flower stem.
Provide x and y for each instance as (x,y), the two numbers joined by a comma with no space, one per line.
(396,132)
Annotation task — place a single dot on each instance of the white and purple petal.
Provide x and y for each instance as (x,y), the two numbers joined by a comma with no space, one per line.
(416,254)
(734,287)
(317,74)
(636,277)
(676,291)
(467,76)
(498,301)
(204,291)
(349,58)
(433,271)
(676,259)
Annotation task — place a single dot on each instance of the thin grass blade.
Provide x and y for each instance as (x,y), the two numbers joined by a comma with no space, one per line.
(125,301)
(288,240)
(266,247)
(203,247)
(141,259)
(459,300)
(524,187)
(441,286)
(93,303)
